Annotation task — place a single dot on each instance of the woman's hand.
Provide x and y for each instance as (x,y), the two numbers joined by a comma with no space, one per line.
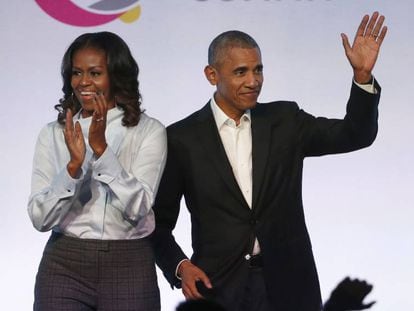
(76,145)
(97,139)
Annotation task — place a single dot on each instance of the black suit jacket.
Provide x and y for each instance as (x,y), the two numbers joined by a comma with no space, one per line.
(223,226)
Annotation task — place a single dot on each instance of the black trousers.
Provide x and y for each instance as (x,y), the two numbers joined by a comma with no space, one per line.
(244,290)
(255,294)
(85,274)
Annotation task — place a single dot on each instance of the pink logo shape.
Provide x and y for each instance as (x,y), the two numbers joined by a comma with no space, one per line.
(67,12)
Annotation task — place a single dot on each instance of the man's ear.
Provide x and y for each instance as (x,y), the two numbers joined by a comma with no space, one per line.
(211,74)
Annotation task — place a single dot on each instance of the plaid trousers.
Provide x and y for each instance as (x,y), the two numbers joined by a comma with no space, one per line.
(87,274)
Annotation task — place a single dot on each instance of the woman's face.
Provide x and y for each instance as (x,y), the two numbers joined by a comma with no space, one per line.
(89,77)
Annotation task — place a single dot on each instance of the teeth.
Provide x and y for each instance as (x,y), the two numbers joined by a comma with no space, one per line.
(87,93)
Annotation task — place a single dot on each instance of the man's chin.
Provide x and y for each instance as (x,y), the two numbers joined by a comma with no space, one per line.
(250,105)
(249,102)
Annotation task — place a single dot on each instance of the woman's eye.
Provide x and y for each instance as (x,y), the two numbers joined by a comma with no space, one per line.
(95,73)
(76,73)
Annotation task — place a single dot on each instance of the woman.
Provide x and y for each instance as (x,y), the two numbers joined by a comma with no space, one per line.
(96,171)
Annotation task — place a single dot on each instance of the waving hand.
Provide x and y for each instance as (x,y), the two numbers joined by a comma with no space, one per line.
(364,51)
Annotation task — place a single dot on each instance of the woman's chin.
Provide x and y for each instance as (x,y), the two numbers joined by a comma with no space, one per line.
(87,110)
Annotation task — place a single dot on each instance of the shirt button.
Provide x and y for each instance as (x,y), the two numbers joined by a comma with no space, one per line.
(69,190)
(247,257)
(99,174)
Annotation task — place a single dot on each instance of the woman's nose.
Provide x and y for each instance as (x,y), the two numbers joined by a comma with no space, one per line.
(85,80)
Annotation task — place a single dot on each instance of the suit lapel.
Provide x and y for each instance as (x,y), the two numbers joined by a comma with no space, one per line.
(210,139)
(261,137)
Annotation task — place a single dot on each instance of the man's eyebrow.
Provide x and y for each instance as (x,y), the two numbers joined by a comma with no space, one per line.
(240,68)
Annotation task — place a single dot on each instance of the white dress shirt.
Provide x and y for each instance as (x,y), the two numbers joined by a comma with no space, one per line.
(113,196)
(237,142)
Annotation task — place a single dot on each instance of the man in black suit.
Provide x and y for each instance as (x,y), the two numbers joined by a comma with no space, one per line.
(238,165)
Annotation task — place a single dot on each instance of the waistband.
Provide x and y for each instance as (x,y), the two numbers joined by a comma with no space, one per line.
(60,239)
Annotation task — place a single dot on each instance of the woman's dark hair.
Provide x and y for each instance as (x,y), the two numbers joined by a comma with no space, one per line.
(123,75)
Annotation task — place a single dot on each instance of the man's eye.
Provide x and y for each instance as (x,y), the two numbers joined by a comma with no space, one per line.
(259,70)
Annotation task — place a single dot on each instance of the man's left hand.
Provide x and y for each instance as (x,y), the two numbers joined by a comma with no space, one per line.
(364,51)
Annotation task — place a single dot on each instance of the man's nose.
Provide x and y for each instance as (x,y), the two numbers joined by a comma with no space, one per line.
(252,79)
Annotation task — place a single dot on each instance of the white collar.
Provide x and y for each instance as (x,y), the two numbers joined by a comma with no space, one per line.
(221,118)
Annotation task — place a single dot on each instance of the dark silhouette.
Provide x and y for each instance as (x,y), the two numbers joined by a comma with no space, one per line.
(199,305)
(349,295)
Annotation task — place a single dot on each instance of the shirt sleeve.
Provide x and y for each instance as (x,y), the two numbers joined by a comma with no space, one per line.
(52,191)
(132,190)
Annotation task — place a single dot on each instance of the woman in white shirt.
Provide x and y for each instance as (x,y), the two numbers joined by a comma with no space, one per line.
(96,171)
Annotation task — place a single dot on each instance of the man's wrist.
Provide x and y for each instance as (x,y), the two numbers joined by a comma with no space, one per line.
(363,77)
(180,266)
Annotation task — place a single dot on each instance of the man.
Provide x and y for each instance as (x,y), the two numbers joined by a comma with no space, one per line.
(238,165)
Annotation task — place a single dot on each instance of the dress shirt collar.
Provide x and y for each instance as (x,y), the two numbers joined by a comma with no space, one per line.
(222,119)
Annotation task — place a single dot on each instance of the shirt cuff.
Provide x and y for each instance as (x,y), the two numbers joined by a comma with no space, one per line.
(64,185)
(176,269)
(106,167)
(369,87)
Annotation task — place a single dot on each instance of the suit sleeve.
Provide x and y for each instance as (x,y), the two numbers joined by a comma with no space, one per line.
(166,208)
(357,130)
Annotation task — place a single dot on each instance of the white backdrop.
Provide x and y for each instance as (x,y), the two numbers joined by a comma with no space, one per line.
(358,206)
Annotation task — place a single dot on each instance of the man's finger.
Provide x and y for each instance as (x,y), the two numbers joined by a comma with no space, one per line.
(361,27)
(382,35)
(191,291)
(185,294)
(206,281)
(368,305)
(371,24)
(378,25)
(345,43)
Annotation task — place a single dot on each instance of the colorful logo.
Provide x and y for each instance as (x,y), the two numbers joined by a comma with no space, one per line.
(86,13)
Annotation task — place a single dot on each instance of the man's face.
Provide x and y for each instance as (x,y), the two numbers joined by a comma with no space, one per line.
(238,77)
